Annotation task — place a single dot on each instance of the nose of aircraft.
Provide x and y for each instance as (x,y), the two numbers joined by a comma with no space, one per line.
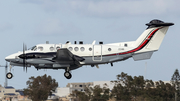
(12,57)
(9,58)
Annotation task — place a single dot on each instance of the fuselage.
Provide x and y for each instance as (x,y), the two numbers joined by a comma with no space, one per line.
(42,54)
(47,55)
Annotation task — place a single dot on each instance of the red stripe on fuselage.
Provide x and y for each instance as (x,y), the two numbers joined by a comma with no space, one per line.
(140,46)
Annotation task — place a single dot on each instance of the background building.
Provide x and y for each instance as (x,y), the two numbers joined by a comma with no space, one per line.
(9,93)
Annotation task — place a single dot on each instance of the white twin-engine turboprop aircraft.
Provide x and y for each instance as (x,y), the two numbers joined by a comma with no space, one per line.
(72,56)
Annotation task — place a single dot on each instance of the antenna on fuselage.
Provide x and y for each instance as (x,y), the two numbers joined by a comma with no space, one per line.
(80,42)
(94,42)
(100,42)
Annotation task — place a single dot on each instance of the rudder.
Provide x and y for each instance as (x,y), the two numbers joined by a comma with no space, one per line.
(157,39)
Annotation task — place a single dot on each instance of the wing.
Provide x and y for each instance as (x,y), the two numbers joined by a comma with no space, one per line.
(64,56)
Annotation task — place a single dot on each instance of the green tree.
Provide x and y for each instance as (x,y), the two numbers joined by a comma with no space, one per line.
(40,88)
(95,93)
(106,92)
(135,88)
(122,88)
(100,94)
(175,80)
(160,92)
(120,93)
(79,96)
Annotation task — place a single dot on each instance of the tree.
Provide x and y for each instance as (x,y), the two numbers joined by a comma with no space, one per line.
(100,94)
(122,88)
(40,88)
(160,92)
(135,88)
(175,80)
(120,93)
(95,93)
(79,96)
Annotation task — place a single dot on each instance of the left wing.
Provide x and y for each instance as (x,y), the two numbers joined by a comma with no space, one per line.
(64,56)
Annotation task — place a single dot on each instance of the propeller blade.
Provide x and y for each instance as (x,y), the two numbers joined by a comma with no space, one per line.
(24,57)
(25,47)
(6,64)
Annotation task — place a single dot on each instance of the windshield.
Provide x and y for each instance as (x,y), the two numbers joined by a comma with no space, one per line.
(33,48)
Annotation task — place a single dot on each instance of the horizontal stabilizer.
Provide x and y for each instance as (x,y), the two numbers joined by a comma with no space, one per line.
(142,56)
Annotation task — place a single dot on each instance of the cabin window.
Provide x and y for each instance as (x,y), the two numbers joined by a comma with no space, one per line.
(82,48)
(76,48)
(51,48)
(70,48)
(125,45)
(109,49)
(90,49)
(40,48)
(57,47)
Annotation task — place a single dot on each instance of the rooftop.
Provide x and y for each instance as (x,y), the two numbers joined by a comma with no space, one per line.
(9,87)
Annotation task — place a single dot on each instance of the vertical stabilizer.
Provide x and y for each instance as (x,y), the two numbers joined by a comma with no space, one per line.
(157,39)
(151,39)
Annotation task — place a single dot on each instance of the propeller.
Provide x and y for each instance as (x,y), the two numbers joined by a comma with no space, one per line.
(24,57)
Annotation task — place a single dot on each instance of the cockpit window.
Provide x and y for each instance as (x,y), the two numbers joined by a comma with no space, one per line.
(40,48)
(34,48)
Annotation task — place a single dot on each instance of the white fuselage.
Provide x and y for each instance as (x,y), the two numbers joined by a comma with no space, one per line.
(43,55)
(93,54)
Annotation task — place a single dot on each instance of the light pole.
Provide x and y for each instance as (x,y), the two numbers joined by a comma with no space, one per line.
(6,67)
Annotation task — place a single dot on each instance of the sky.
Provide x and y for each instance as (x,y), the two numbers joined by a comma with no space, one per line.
(57,21)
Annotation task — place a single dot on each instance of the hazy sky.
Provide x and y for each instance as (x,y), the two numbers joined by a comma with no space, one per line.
(57,21)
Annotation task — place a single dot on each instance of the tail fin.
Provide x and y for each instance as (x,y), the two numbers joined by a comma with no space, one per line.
(151,39)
